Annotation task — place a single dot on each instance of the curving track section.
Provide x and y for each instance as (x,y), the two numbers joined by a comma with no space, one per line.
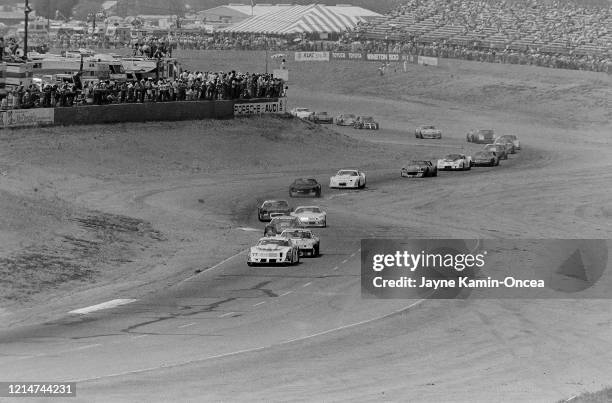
(232,332)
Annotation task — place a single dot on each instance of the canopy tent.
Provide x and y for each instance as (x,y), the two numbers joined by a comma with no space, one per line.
(313,18)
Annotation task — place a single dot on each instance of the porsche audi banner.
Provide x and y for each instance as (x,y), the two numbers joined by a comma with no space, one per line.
(26,117)
(311,56)
(260,108)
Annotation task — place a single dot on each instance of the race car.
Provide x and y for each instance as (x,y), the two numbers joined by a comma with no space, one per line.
(348,178)
(346,119)
(272,206)
(480,136)
(305,187)
(310,216)
(279,224)
(419,169)
(427,132)
(486,158)
(274,250)
(321,117)
(302,113)
(454,162)
(366,122)
(513,138)
(509,144)
(500,150)
(307,242)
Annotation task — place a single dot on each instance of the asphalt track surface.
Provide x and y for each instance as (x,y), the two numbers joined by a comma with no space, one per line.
(303,333)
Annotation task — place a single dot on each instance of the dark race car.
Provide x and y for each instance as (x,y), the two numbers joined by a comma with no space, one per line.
(272,206)
(322,117)
(480,136)
(485,158)
(419,169)
(279,224)
(366,122)
(305,187)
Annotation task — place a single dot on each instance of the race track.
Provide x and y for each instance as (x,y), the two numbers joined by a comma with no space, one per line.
(235,333)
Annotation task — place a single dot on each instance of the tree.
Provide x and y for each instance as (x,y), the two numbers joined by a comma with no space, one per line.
(47,8)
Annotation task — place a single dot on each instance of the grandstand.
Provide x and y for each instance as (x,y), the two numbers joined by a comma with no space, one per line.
(546,27)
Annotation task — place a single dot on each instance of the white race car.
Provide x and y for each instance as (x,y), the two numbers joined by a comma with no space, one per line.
(302,113)
(428,132)
(455,162)
(348,178)
(274,250)
(311,216)
(307,242)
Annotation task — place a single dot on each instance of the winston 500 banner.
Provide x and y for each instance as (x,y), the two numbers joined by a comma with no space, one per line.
(491,268)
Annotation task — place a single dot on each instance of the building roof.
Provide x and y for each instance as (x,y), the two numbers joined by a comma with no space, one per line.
(310,18)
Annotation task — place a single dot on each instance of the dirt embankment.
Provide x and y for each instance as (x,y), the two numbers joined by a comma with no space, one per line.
(83,207)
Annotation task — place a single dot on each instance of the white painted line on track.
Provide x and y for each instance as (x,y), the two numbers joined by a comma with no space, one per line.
(226,314)
(249,229)
(221,263)
(254,349)
(86,347)
(344,261)
(104,305)
(259,303)
(287,293)
(187,325)
(307,284)
(140,336)
(335,268)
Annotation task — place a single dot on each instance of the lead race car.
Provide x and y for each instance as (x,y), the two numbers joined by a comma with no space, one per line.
(419,169)
(348,178)
(301,113)
(274,250)
(311,216)
(427,132)
(308,243)
(454,162)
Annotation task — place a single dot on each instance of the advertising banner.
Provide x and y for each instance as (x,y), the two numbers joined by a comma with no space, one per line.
(26,117)
(383,56)
(311,56)
(260,108)
(339,55)
(283,74)
(427,61)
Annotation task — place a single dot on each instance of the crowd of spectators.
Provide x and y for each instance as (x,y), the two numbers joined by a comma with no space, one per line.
(528,26)
(189,86)
(552,33)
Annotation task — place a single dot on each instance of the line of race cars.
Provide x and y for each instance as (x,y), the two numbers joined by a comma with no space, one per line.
(357,122)
(287,234)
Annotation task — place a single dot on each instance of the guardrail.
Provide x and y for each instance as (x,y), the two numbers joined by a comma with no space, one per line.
(137,112)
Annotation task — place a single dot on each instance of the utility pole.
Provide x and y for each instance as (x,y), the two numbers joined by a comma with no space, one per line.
(27,10)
